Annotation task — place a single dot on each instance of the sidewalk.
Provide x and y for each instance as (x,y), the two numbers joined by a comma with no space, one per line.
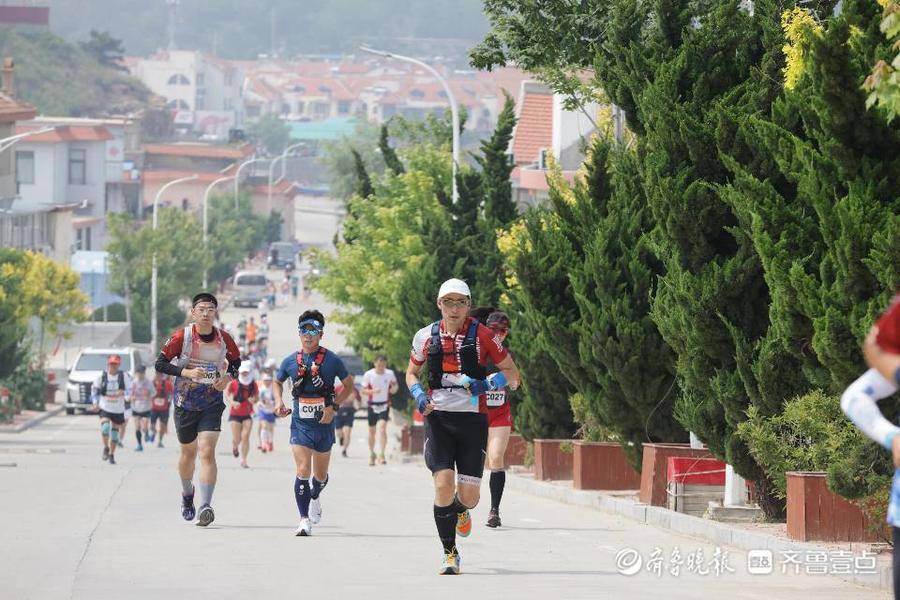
(29,418)
(744,536)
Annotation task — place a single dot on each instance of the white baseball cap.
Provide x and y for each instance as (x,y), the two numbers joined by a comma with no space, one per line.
(245,367)
(454,286)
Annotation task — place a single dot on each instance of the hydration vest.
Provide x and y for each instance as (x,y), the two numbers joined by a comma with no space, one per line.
(104,382)
(321,386)
(468,356)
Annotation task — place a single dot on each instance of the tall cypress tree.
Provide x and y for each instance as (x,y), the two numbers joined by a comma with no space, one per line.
(391,160)
(626,369)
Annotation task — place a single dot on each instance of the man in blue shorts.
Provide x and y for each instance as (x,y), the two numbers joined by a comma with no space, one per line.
(312,372)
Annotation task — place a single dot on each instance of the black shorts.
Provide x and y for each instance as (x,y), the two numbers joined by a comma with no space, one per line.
(239,418)
(344,417)
(188,423)
(159,415)
(143,414)
(374,417)
(456,441)
(117,418)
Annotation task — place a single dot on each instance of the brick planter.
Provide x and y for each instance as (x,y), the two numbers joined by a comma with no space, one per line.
(404,439)
(515,450)
(814,512)
(654,469)
(550,462)
(416,439)
(602,466)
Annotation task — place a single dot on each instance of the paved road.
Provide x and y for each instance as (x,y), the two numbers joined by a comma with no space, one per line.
(75,527)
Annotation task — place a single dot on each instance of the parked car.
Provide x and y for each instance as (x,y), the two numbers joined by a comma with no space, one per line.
(88,365)
(249,288)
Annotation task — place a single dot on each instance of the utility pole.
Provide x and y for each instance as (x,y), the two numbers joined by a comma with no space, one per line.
(173,15)
(272,33)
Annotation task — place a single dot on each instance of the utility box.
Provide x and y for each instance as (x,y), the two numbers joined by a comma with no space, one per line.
(692,483)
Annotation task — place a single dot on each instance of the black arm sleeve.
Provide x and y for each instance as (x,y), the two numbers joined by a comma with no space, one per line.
(164,366)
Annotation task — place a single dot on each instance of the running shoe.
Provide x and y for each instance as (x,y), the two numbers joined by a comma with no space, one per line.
(344,453)
(244,465)
(206,516)
(463,524)
(450,566)
(188,512)
(139,448)
(493,519)
(305,528)
(372,460)
(234,450)
(315,511)
(105,452)
(159,444)
(381,460)
(271,447)
(264,449)
(112,459)
(120,444)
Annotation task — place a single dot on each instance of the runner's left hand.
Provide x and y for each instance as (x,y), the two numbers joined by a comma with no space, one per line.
(327,415)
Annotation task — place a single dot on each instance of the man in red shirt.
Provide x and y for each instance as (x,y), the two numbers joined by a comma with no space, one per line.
(205,359)
(159,409)
(454,352)
(242,395)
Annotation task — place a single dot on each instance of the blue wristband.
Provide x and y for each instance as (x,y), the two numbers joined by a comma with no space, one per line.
(497,381)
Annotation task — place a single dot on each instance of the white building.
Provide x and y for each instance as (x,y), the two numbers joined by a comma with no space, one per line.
(83,162)
(204,92)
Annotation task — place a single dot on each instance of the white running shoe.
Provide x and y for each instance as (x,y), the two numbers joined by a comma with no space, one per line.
(305,529)
(315,511)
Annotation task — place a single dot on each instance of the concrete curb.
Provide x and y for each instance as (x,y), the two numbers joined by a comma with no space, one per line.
(706,529)
(31,422)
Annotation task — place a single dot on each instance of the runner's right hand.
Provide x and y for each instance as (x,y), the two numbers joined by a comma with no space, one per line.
(282,411)
(192,373)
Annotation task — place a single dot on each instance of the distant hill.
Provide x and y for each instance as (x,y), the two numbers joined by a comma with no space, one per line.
(60,79)
(241,28)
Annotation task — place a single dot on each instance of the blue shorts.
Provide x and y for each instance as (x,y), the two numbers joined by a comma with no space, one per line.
(266,417)
(319,438)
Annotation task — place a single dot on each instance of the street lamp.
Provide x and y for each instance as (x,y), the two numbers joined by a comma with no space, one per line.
(282,157)
(206,210)
(237,177)
(8,142)
(287,152)
(153,277)
(454,110)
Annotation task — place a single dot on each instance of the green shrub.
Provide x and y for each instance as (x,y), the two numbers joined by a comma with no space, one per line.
(812,434)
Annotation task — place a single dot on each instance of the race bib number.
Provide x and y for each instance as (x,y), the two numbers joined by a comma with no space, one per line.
(309,406)
(496,398)
(379,408)
(209,375)
(160,402)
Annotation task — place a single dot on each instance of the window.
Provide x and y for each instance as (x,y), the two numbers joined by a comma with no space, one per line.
(24,167)
(77,167)
(200,79)
(343,107)
(417,94)
(178,105)
(301,107)
(83,238)
(179,79)
(285,108)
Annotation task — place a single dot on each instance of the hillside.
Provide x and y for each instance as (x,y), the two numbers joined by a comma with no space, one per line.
(241,29)
(62,80)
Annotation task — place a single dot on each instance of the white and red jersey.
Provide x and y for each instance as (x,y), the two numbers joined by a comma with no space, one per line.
(489,349)
(376,386)
(189,350)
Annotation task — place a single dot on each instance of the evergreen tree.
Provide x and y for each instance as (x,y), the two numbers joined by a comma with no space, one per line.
(391,160)
(627,368)
(363,186)
(13,329)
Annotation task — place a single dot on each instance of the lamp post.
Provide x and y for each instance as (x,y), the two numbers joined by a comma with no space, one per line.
(205,214)
(153,277)
(8,142)
(454,110)
(286,153)
(282,157)
(237,177)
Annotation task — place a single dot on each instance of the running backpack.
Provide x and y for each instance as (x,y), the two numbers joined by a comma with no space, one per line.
(468,356)
(327,389)
(104,382)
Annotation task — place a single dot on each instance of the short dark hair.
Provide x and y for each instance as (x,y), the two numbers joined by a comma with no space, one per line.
(480,313)
(380,357)
(311,314)
(204,297)
(140,369)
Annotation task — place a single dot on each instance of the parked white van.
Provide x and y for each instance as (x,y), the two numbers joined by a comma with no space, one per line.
(249,288)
